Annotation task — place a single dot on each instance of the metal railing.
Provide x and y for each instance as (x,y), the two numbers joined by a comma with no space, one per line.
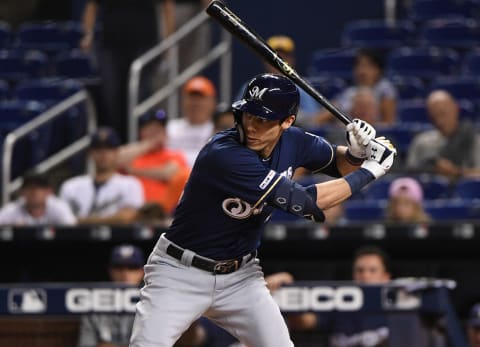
(220,51)
(9,185)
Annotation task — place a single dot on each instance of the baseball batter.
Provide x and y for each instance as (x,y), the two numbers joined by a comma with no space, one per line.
(206,264)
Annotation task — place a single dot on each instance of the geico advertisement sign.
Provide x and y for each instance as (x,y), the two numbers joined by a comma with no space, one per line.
(319,298)
(80,300)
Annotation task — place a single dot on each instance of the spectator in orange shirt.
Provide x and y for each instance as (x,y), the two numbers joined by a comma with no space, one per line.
(162,172)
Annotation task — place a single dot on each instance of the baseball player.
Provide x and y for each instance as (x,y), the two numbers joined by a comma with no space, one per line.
(206,264)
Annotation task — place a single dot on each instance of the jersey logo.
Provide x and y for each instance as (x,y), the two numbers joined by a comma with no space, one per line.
(256,93)
(267,180)
(239,209)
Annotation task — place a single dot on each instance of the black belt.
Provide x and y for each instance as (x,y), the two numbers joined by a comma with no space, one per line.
(221,267)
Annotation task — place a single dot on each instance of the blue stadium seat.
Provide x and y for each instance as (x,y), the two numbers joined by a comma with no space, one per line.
(327,63)
(377,190)
(467,189)
(14,113)
(415,111)
(426,63)
(424,10)
(363,211)
(448,210)
(401,135)
(328,87)
(5,35)
(471,64)
(434,187)
(16,66)
(457,34)
(46,36)
(4,90)
(73,33)
(377,34)
(409,87)
(461,87)
(47,90)
(74,64)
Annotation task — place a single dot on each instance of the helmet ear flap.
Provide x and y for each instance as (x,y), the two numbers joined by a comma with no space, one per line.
(237,116)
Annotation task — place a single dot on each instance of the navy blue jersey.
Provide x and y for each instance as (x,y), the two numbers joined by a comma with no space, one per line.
(224,205)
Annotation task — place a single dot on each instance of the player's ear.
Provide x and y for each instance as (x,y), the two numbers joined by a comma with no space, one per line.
(288,122)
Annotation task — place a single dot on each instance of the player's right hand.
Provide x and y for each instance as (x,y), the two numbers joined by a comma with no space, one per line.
(380,156)
(358,134)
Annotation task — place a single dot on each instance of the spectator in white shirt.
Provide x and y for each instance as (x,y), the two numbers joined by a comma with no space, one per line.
(37,205)
(106,197)
(190,132)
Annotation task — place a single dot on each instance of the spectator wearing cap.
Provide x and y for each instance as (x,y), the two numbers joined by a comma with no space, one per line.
(106,197)
(162,171)
(452,147)
(285,48)
(473,326)
(191,131)
(405,203)
(37,205)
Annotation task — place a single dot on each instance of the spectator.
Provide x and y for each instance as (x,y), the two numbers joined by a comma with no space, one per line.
(405,203)
(371,265)
(106,197)
(285,47)
(473,326)
(223,119)
(37,205)
(119,46)
(113,330)
(368,72)
(452,148)
(161,171)
(190,132)
(152,214)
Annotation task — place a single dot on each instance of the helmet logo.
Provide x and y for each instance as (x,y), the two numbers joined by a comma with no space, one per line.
(256,93)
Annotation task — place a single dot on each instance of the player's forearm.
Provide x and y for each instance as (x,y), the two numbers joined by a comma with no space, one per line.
(332,193)
(343,164)
(124,216)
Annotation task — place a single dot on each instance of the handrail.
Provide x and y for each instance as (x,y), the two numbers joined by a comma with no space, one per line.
(222,50)
(11,139)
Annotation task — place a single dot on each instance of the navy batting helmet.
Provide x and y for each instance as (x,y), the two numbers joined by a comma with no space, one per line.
(268,96)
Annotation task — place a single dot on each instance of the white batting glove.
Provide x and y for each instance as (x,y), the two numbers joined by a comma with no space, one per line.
(359,133)
(380,155)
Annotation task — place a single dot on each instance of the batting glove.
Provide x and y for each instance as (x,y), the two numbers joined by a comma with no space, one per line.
(359,134)
(380,155)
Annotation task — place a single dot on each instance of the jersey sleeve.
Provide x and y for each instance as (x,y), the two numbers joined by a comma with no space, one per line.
(316,153)
(133,196)
(239,172)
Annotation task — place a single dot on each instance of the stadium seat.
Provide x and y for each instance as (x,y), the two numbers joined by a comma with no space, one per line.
(448,210)
(4,90)
(472,63)
(434,187)
(377,34)
(457,34)
(74,64)
(425,10)
(425,63)
(46,90)
(409,87)
(460,87)
(5,35)
(16,66)
(467,189)
(15,113)
(328,87)
(328,63)
(363,211)
(49,36)
(415,111)
(401,135)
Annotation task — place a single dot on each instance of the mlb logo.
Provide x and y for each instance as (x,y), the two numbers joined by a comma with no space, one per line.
(27,300)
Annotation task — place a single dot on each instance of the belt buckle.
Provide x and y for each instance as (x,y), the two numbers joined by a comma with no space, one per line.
(225,267)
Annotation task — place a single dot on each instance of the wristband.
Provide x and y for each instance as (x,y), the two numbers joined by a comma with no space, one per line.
(352,159)
(359,179)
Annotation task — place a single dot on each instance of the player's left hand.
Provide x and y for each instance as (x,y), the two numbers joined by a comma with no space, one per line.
(359,134)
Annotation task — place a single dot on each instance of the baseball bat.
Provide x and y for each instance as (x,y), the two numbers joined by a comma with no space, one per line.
(231,22)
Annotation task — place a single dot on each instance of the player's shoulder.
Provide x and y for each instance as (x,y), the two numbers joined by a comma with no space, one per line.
(225,148)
